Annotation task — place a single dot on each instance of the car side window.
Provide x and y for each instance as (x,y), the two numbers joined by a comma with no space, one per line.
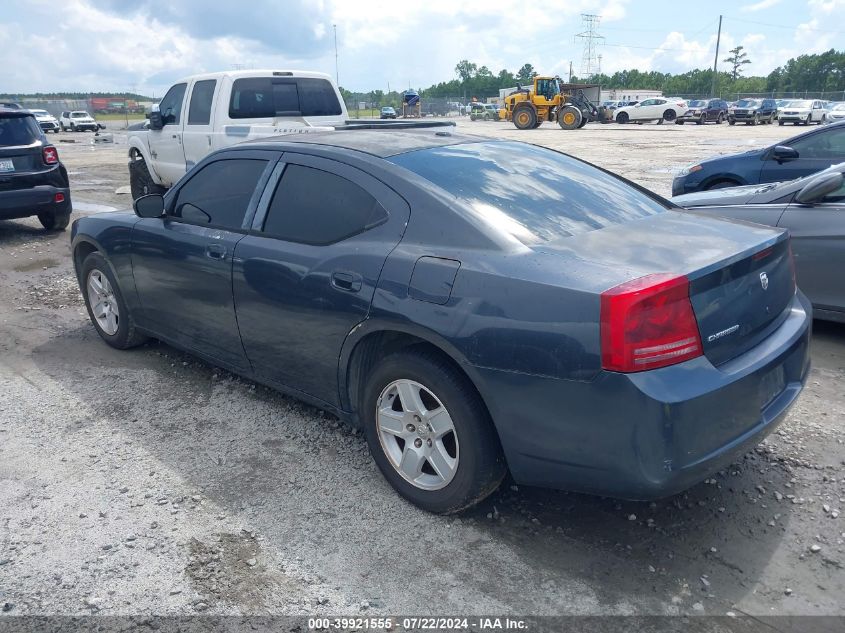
(312,206)
(219,194)
(199,112)
(825,144)
(171,105)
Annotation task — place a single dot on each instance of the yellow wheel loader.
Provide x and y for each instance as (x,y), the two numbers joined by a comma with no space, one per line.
(549,99)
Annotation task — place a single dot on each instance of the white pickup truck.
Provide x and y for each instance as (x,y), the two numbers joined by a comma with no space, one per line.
(203,113)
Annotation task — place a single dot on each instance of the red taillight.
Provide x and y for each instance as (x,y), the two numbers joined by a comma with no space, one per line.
(648,323)
(50,154)
(59,197)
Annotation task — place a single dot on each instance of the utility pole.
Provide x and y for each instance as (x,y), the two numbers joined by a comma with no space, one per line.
(336,72)
(570,71)
(591,39)
(716,60)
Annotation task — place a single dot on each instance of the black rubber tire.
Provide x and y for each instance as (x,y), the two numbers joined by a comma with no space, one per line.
(524,117)
(622,118)
(720,119)
(62,125)
(731,121)
(780,122)
(73,127)
(127,335)
(679,122)
(701,120)
(481,467)
(584,121)
(721,184)
(54,221)
(669,115)
(809,119)
(140,181)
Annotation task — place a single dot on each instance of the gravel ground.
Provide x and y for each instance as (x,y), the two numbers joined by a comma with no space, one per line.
(148,482)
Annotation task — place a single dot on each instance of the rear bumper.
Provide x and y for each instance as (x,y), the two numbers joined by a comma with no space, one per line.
(651,434)
(22,203)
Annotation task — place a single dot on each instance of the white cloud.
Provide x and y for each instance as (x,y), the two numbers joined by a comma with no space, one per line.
(759,6)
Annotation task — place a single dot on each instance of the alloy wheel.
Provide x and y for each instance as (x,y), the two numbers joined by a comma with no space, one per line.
(417,434)
(103,302)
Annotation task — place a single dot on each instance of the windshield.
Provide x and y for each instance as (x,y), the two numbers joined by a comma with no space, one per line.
(535,194)
(697,103)
(40,112)
(801,104)
(747,103)
(78,115)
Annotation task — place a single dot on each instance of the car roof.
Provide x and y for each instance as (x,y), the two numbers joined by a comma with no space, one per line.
(14,112)
(245,74)
(382,143)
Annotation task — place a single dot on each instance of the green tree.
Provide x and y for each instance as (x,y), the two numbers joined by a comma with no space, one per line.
(465,70)
(737,59)
(526,74)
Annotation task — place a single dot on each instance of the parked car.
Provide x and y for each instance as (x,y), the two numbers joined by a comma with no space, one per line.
(430,288)
(651,110)
(813,209)
(484,112)
(703,110)
(796,157)
(33,181)
(77,121)
(835,113)
(202,113)
(387,112)
(46,120)
(753,111)
(804,111)
(10,105)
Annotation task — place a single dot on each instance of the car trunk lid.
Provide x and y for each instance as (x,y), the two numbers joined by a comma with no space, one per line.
(740,275)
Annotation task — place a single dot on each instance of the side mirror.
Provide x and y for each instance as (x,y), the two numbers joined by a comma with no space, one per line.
(783,153)
(156,120)
(149,206)
(818,188)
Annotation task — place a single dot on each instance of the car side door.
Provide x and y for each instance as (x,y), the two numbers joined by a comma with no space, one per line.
(643,109)
(818,245)
(166,144)
(198,128)
(182,262)
(816,151)
(305,275)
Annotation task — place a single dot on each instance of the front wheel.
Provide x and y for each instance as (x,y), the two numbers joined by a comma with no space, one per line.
(720,119)
(106,307)
(731,121)
(780,122)
(430,433)
(570,118)
(73,127)
(809,119)
(140,181)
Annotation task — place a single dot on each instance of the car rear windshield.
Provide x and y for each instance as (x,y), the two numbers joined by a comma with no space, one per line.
(18,130)
(535,194)
(267,97)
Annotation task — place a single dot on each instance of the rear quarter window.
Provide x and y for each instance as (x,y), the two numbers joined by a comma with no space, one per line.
(535,194)
(18,130)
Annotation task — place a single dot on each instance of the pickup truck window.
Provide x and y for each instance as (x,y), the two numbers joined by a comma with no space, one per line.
(267,97)
(171,105)
(219,194)
(312,206)
(199,112)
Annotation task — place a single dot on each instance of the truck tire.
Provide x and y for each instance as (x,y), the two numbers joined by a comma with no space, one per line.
(569,118)
(53,220)
(140,181)
(524,117)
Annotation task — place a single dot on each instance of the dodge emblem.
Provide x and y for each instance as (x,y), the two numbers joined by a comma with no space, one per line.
(764,281)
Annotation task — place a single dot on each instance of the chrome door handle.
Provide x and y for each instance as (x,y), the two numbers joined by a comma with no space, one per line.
(215,251)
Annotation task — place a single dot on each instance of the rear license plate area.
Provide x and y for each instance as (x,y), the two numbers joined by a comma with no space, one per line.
(771,386)
(6,166)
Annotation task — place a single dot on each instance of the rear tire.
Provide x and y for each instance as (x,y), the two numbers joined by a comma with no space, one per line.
(669,115)
(409,399)
(140,181)
(524,117)
(622,118)
(125,335)
(54,221)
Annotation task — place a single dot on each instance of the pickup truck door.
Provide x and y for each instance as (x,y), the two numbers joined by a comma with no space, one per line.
(182,262)
(305,275)
(197,132)
(166,144)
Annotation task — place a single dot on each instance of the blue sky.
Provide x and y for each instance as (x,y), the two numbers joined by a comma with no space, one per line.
(104,45)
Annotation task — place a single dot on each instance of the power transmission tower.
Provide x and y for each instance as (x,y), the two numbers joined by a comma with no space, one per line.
(592,40)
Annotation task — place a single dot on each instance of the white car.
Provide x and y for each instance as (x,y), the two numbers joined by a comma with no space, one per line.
(77,120)
(659,109)
(835,112)
(803,111)
(46,120)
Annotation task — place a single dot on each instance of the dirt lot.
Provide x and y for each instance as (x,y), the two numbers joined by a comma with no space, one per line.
(149,482)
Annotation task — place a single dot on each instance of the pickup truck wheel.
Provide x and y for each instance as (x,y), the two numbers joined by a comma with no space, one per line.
(140,181)
(105,304)
(430,433)
(54,221)
(73,127)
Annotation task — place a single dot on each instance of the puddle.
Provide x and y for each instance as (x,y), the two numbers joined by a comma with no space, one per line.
(91,207)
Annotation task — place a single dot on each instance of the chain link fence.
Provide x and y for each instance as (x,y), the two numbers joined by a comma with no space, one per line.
(428,107)
(838,95)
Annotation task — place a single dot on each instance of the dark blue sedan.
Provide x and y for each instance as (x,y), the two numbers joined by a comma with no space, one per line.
(797,157)
(475,306)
